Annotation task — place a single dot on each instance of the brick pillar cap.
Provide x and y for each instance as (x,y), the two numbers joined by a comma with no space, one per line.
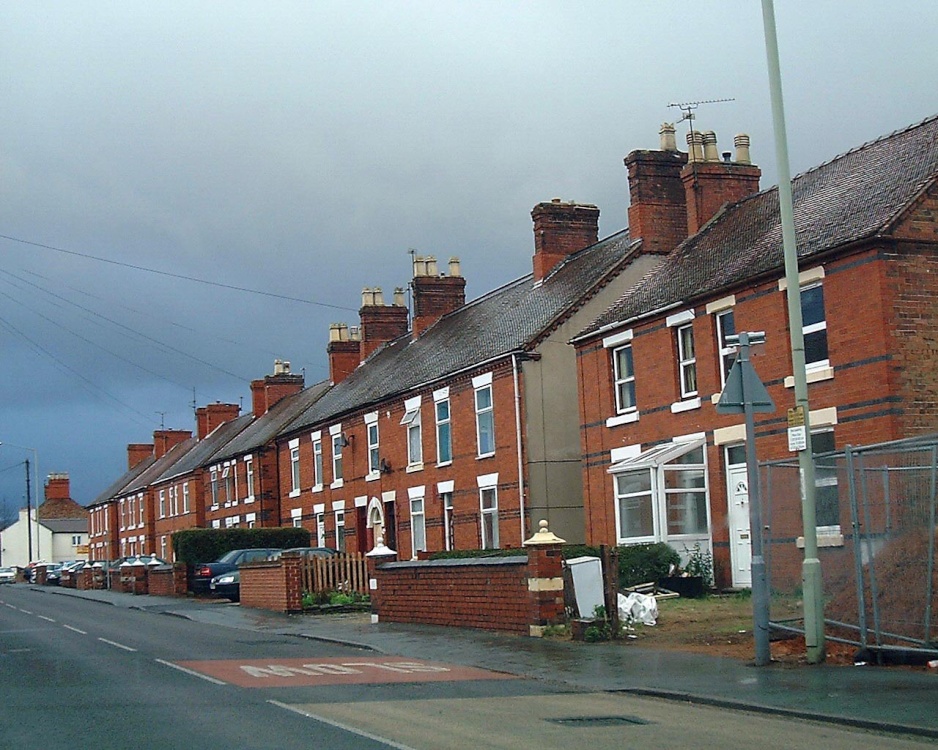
(544,536)
(381,549)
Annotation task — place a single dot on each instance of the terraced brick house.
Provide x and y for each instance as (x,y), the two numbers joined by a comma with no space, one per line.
(659,462)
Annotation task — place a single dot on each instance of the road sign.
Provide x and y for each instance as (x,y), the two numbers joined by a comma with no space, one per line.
(743,384)
(797,432)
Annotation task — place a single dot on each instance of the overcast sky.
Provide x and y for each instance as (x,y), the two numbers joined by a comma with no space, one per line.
(299,150)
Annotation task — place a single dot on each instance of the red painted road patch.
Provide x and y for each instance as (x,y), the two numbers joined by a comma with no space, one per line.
(261,673)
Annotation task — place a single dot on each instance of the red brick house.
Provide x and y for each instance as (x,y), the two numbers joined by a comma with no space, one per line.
(659,463)
(459,430)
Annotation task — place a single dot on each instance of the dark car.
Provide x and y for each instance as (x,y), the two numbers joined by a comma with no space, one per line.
(227,585)
(307,552)
(203,573)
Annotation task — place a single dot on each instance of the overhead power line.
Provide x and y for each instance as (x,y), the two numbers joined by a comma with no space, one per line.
(183,277)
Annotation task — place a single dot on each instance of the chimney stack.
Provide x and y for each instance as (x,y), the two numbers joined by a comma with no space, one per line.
(137,452)
(344,351)
(57,487)
(709,183)
(166,440)
(270,389)
(435,295)
(658,205)
(207,418)
(380,323)
(560,229)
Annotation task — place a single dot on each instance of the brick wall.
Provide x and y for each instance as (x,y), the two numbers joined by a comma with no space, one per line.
(167,581)
(507,594)
(273,584)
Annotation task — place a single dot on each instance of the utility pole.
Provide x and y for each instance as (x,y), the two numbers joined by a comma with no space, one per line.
(812,588)
(29,514)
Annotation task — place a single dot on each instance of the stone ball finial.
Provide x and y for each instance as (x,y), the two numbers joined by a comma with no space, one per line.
(543,536)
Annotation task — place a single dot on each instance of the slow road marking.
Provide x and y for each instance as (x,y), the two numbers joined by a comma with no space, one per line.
(261,673)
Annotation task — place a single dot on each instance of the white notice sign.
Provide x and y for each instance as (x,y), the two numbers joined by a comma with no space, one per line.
(797,439)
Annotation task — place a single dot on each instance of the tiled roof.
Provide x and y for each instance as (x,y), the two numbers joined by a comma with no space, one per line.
(506,320)
(60,507)
(854,196)
(202,451)
(118,486)
(264,429)
(65,525)
(158,467)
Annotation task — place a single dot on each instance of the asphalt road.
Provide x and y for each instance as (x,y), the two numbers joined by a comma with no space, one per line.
(77,673)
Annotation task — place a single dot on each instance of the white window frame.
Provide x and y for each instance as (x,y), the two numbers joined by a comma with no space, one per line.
(687,360)
(213,487)
(228,486)
(320,528)
(488,513)
(621,381)
(412,421)
(186,508)
(449,528)
(485,415)
(335,433)
(374,448)
(418,519)
(163,503)
(444,426)
(317,461)
(339,529)
(295,488)
(811,328)
(249,478)
(726,352)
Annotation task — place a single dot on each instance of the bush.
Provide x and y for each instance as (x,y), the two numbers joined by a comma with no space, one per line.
(645,563)
(458,554)
(194,546)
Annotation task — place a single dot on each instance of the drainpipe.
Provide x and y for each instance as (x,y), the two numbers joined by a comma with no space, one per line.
(521,489)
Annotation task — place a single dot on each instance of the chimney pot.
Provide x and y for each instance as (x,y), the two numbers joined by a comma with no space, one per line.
(335,332)
(454,267)
(399,297)
(695,146)
(709,139)
(741,142)
(377,296)
(728,157)
(668,140)
(431,266)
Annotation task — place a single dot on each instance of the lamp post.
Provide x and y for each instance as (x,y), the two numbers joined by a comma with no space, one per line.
(29,520)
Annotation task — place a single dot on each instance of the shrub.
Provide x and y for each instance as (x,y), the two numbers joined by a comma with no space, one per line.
(645,563)
(458,554)
(194,546)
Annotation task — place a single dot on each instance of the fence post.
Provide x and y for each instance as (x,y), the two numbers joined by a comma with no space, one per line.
(378,556)
(545,579)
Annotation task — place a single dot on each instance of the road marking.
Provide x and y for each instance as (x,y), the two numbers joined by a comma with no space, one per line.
(5,604)
(25,611)
(115,643)
(75,629)
(43,617)
(190,671)
(266,673)
(340,725)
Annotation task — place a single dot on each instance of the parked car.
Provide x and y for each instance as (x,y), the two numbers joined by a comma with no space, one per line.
(53,574)
(7,575)
(227,585)
(308,552)
(203,573)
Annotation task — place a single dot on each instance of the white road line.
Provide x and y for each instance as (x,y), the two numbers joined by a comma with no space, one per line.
(340,725)
(24,611)
(190,671)
(5,604)
(115,643)
(75,629)
(43,617)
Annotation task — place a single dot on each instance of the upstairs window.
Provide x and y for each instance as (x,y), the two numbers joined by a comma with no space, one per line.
(185,497)
(317,462)
(213,487)
(337,441)
(295,469)
(444,435)
(162,503)
(249,478)
(814,322)
(374,455)
(687,360)
(485,421)
(624,378)
(726,326)
(411,420)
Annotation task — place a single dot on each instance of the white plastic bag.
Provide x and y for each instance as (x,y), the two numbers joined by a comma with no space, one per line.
(638,608)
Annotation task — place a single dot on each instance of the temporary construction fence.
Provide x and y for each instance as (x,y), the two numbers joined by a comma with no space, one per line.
(346,572)
(876,518)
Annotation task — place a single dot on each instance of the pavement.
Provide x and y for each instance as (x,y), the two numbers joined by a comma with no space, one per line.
(892,699)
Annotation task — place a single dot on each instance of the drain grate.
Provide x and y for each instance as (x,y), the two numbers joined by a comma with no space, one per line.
(598,721)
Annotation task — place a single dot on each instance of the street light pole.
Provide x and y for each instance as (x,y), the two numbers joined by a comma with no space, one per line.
(811,567)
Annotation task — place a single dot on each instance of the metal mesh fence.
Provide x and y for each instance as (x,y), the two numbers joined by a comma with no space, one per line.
(876,517)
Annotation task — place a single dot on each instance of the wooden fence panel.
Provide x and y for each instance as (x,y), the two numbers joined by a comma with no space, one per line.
(347,572)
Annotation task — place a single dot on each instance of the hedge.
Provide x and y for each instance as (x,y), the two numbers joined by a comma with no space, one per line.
(205,545)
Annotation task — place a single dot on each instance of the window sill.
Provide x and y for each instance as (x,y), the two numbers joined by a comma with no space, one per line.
(411,468)
(686,405)
(294,493)
(372,476)
(813,376)
(824,539)
(626,418)
(316,488)
(213,507)
(445,463)
(336,484)
(249,499)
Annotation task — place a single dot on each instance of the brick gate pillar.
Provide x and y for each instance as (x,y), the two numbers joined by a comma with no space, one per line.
(545,580)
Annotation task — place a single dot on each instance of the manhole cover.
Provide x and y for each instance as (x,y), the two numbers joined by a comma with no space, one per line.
(598,721)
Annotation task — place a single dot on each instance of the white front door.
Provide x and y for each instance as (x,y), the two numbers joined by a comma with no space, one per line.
(740,542)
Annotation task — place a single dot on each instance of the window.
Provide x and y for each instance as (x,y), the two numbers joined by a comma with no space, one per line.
(444,436)
(174,500)
(624,377)
(687,360)
(295,469)
(163,548)
(418,523)
(661,493)
(76,540)
(185,497)
(142,517)
(249,478)
(297,522)
(317,463)
(826,495)
(374,455)
(213,482)
(337,457)
(123,524)
(226,478)
(449,538)
(414,438)
(320,529)
(340,530)
(726,326)
(488,501)
(162,503)
(485,421)
(814,324)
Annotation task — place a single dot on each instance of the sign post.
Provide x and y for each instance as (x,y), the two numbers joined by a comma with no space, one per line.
(745,393)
